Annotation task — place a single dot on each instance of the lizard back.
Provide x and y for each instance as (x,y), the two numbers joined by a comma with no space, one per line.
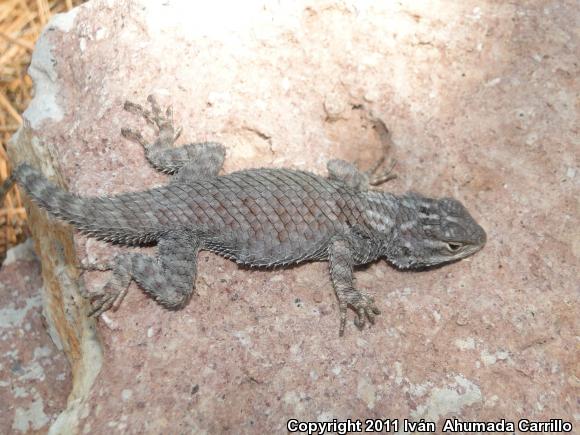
(260,217)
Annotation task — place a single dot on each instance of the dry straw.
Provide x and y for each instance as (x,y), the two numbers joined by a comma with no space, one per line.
(21,22)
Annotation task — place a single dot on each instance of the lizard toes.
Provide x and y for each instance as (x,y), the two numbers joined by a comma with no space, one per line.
(359,319)
(154,104)
(119,298)
(100,305)
(102,267)
(133,136)
(370,316)
(108,298)
(365,309)
(177,134)
(138,110)
(372,311)
(342,308)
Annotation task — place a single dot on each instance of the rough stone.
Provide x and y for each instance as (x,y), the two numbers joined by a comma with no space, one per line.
(34,374)
(481,98)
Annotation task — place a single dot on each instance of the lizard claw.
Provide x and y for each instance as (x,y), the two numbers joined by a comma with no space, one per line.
(134,136)
(107,298)
(100,304)
(111,294)
(102,267)
(382,177)
(137,109)
(163,120)
(342,308)
(365,308)
(177,134)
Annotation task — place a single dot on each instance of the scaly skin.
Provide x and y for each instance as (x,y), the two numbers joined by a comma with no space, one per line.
(258,217)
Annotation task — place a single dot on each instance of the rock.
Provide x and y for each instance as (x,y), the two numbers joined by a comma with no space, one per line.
(21,252)
(34,374)
(480,99)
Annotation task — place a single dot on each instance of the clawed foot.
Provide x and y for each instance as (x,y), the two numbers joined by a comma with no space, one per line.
(385,175)
(167,134)
(375,178)
(350,175)
(109,296)
(102,267)
(363,305)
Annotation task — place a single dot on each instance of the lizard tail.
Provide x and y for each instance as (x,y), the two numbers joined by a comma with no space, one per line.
(100,217)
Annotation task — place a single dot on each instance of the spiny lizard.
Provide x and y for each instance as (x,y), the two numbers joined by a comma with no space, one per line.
(256,217)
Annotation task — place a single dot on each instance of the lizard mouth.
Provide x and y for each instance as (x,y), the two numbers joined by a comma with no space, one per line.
(469,249)
(475,243)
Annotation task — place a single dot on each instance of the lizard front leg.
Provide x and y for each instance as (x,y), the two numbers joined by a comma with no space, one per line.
(188,162)
(169,278)
(341,272)
(354,178)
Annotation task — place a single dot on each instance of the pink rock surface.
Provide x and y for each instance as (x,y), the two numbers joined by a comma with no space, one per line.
(35,377)
(482,102)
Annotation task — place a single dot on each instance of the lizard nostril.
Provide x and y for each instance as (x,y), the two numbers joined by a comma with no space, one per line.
(480,235)
(483,235)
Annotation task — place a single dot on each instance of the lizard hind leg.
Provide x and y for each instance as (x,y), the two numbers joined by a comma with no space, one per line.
(188,162)
(168,278)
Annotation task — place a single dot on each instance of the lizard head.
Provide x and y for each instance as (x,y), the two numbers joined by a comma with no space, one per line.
(431,232)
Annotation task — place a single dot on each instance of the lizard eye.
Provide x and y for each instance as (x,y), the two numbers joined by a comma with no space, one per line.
(454,247)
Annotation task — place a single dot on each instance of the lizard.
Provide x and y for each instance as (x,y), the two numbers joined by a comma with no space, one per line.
(256,217)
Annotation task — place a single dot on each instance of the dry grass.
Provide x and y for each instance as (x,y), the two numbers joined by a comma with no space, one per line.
(21,22)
